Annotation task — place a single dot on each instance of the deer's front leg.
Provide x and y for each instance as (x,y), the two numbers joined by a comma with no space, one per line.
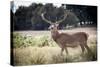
(82,48)
(66,50)
(62,49)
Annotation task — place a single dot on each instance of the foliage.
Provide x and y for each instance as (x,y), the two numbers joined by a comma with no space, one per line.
(28,18)
(18,40)
(25,41)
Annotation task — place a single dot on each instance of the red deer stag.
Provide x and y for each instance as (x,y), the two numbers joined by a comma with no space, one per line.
(65,40)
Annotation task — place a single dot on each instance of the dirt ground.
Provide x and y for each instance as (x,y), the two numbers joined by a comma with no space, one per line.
(89,30)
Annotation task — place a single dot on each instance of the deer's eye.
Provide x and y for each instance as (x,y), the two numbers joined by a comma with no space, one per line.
(51,27)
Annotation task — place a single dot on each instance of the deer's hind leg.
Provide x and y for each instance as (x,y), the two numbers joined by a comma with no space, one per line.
(86,46)
(66,50)
(62,49)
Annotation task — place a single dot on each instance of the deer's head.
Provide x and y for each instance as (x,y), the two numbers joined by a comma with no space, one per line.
(53,25)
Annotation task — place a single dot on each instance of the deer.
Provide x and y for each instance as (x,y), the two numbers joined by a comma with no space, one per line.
(65,40)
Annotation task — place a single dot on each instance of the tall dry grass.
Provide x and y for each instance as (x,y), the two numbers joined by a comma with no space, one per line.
(50,55)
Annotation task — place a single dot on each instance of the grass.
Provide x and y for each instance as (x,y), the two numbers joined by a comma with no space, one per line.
(41,49)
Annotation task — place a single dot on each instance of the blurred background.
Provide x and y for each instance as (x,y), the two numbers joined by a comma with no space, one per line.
(27,16)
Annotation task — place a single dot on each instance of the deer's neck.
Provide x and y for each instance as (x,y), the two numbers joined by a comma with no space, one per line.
(55,34)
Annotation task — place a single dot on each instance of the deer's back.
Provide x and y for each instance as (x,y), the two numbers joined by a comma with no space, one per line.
(66,39)
(80,36)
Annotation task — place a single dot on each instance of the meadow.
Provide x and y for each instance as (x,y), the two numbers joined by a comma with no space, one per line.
(37,47)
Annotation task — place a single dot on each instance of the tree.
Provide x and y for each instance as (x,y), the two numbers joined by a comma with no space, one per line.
(29,18)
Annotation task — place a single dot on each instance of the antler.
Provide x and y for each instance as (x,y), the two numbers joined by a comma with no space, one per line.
(65,15)
(42,15)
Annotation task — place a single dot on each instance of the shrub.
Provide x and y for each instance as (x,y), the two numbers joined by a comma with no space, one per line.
(24,41)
